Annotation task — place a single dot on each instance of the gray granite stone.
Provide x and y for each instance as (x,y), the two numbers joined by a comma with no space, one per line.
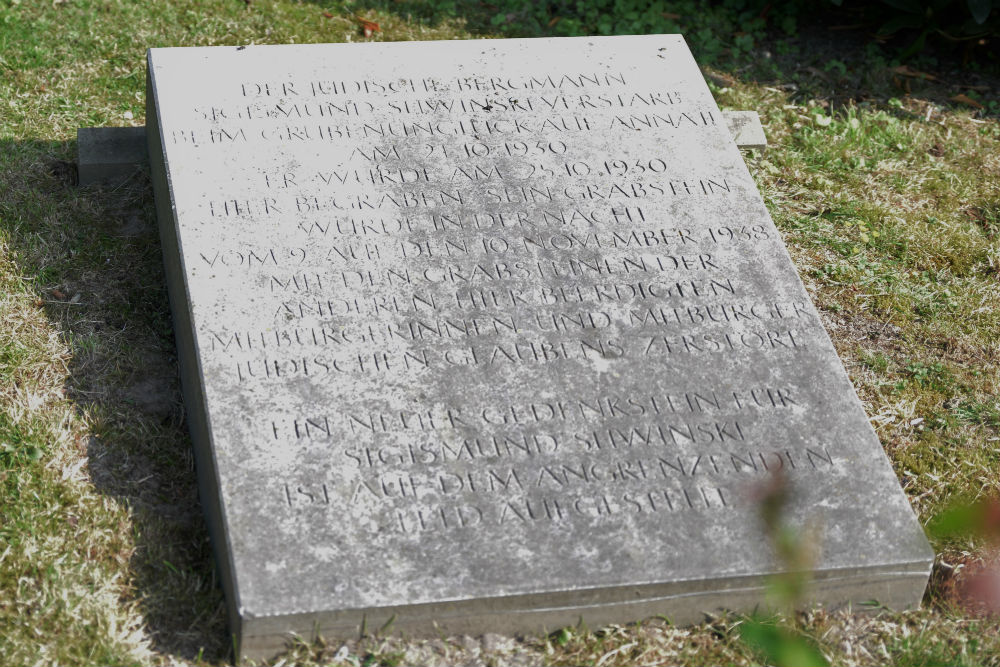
(495,336)
(109,154)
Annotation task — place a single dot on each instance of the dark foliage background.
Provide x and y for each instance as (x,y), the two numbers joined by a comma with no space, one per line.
(908,26)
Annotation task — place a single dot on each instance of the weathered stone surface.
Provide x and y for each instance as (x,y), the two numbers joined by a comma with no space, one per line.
(495,335)
(123,149)
(109,154)
(746,129)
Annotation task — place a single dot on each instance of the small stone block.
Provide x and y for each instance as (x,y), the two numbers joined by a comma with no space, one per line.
(109,154)
(746,129)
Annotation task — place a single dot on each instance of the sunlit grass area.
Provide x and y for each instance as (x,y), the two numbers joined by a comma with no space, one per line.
(887,195)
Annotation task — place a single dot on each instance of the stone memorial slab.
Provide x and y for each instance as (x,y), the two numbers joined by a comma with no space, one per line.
(497,336)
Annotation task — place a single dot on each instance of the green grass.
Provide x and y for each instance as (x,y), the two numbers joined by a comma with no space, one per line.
(889,203)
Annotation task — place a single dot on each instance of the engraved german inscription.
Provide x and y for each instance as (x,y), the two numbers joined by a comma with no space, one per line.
(496,335)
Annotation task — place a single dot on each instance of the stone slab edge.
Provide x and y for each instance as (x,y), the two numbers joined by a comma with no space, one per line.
(109,154)
(682,602)
(196,410)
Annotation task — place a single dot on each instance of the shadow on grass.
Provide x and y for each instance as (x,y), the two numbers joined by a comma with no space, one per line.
(93,256)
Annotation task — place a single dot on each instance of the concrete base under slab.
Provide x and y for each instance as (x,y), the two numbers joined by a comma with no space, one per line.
(109,155)
(746,129)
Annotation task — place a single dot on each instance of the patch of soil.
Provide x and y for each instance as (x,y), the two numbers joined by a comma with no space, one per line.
(157,395)
(64,172)
(135,224)
(860,329)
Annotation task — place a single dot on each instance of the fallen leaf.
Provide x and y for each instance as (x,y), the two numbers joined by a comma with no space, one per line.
(58,294)
(816,72)
(915,74)
(328,15)
(962,98)
(369,27)
(721,79)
